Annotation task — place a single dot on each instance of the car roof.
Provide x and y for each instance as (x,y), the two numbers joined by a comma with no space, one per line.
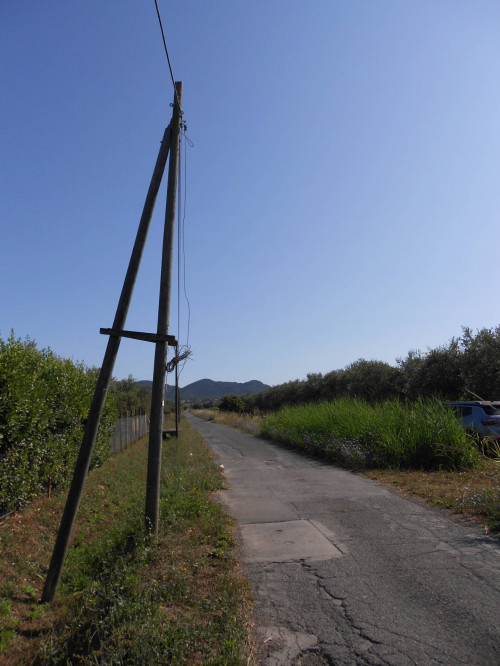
(475,403)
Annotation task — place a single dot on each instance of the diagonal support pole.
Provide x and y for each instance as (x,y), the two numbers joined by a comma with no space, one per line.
(105,374)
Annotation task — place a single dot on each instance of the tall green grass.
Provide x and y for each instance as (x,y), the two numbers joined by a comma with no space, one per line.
(353,433)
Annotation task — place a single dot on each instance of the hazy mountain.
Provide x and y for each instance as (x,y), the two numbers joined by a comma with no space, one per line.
(206,388)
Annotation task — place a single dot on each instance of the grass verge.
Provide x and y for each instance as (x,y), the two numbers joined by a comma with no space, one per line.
(125,598)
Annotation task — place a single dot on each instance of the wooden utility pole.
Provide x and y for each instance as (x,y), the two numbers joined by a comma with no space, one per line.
(158,389)
(105,374)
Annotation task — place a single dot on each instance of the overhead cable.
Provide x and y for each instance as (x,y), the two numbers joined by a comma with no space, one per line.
(166,53)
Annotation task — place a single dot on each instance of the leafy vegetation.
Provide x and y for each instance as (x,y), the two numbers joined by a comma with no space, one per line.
(126,599)
(44,401)
(466,367)
(353,433)
(130,397)
(231,403)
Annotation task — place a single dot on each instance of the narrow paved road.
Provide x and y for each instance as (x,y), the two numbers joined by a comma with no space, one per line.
(346,571)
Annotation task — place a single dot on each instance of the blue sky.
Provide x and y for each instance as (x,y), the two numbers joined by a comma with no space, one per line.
(342,194)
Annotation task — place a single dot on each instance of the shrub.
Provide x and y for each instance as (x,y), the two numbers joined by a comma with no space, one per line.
(44,401)
(231,403)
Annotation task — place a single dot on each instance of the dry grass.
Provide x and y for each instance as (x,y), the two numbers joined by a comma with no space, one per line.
(26,541)
(474,493)
(244,422)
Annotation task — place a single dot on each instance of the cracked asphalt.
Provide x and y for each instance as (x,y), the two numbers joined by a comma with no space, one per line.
(347,571)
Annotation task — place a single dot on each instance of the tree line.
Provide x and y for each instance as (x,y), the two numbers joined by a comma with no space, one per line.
(466,368)
(130,397)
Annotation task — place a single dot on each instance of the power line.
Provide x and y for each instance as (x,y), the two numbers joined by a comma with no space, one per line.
(183,355)
(182,222)
(180,233)
(190,143)
(186,141)
(166,52)
(181,246)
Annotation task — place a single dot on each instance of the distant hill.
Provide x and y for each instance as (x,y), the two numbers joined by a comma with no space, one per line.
(205,389)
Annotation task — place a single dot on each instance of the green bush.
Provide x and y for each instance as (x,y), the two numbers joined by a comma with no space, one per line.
(231,403)
(44,402)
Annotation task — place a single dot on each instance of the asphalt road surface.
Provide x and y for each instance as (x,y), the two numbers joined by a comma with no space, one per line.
(347,571)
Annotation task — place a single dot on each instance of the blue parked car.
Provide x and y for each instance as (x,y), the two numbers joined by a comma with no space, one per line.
(479,416)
